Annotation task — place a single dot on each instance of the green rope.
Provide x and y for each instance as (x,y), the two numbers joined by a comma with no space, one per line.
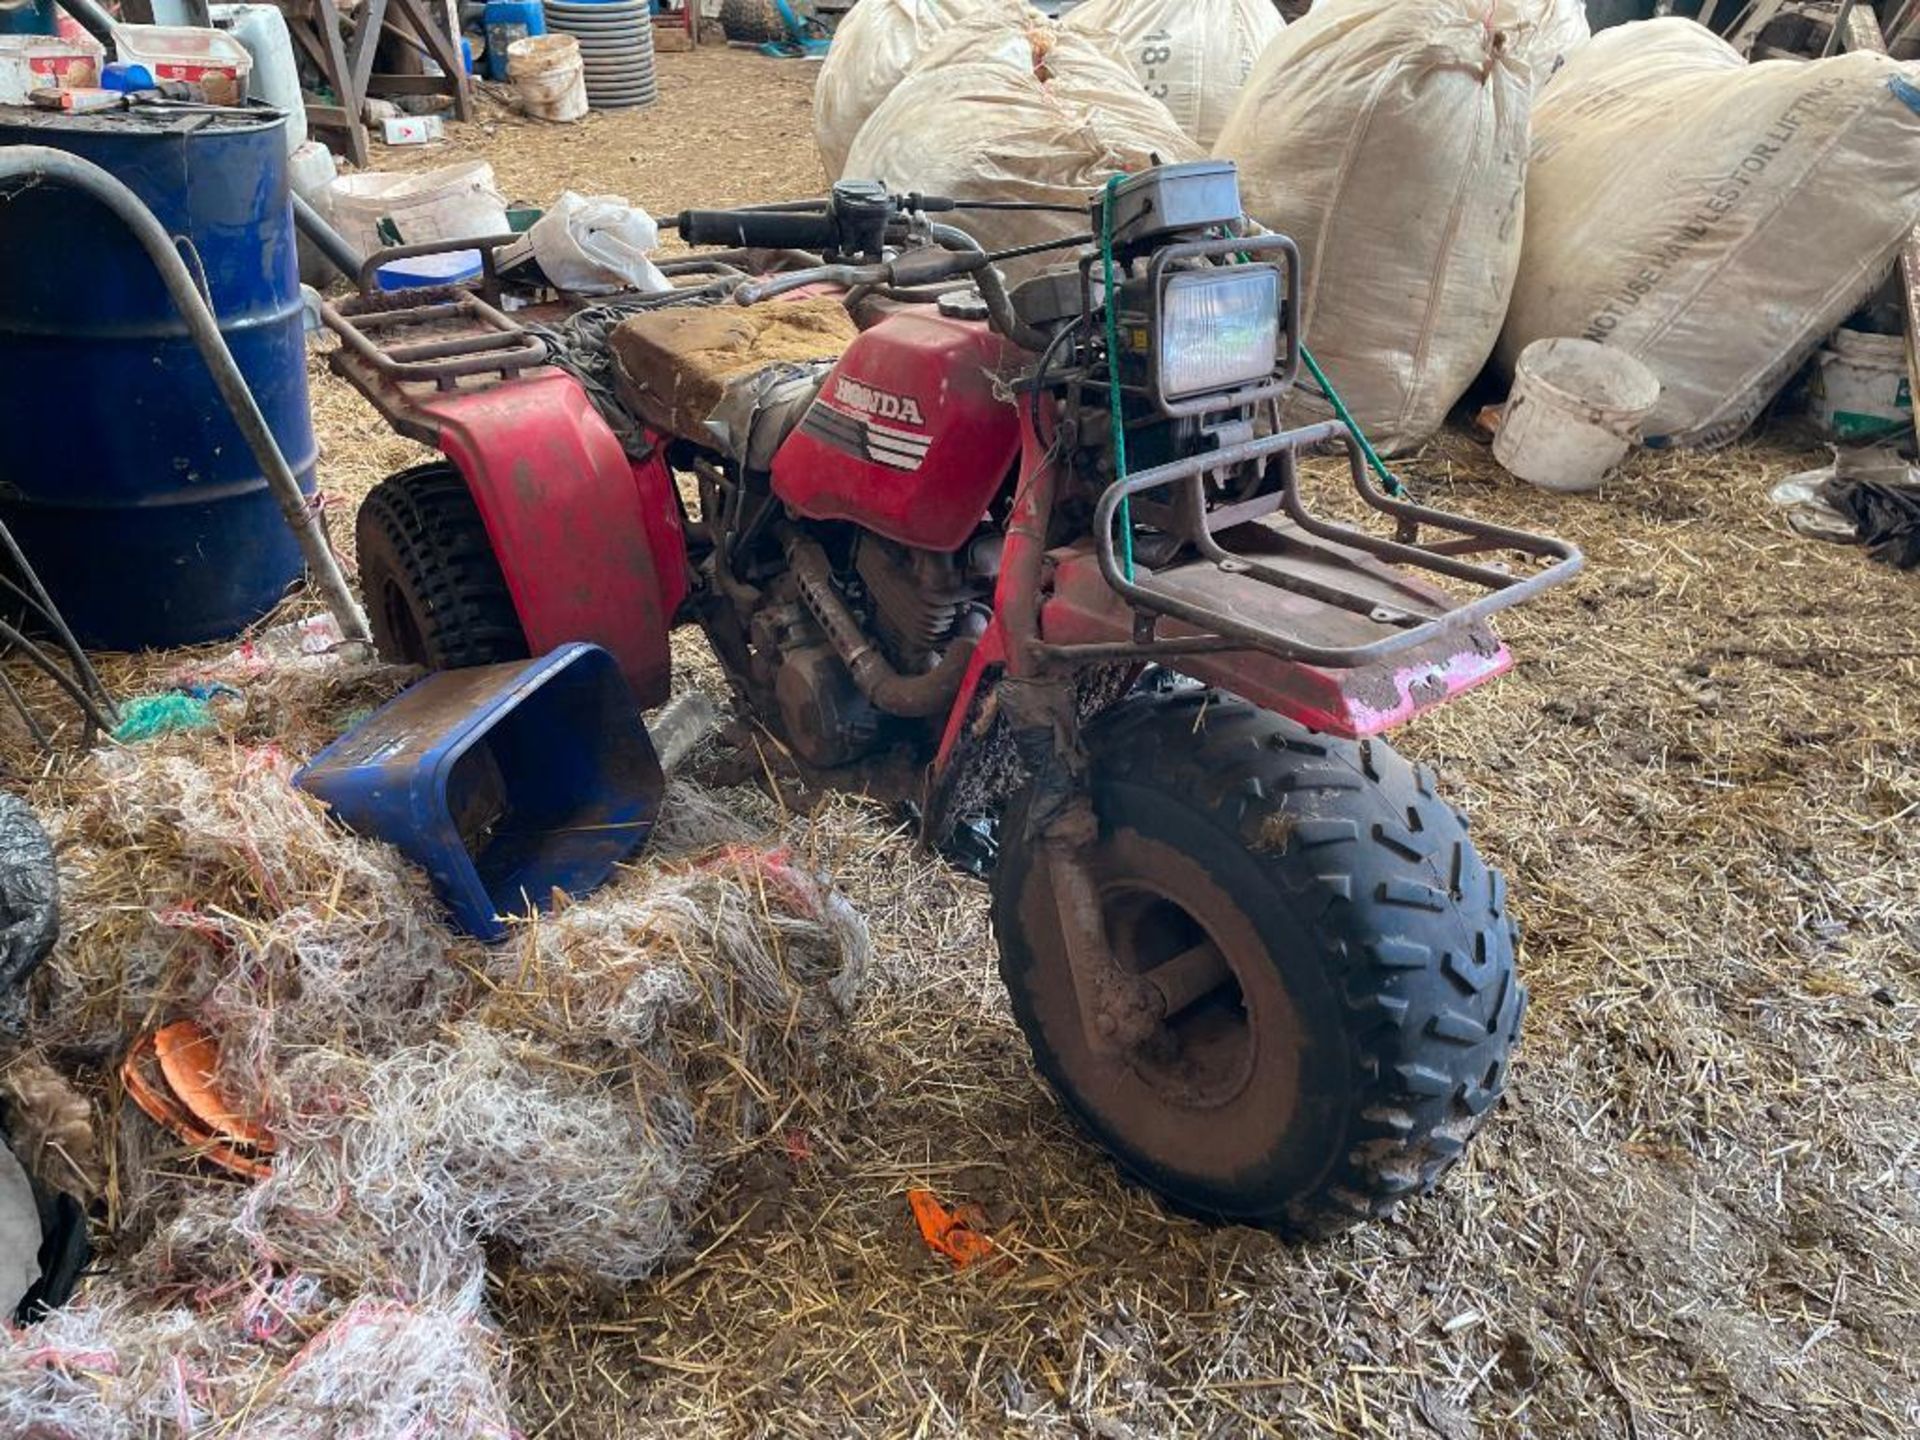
(1394,487)
(1110,298)
(147,717)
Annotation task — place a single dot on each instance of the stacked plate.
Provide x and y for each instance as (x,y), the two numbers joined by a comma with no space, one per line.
(616,47)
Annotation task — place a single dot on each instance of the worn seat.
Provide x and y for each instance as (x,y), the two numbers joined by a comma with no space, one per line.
(675,366)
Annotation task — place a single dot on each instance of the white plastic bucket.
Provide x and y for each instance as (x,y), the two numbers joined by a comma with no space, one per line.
(549,75)
(1573,413)
(453,202)
(1860,389)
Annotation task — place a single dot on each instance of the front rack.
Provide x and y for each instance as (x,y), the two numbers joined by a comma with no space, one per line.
(1409,623)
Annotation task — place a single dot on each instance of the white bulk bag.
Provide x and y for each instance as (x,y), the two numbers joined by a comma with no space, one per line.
(1389,139)
(1544,40)
(874,45)
(1192,55)
(1713,219)
(1546,47)
(1039,114)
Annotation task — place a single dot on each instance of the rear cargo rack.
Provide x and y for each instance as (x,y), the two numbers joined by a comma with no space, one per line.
(1192,590)
(462,333)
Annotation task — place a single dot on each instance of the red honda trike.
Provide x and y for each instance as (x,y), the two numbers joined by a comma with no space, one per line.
(1037,561)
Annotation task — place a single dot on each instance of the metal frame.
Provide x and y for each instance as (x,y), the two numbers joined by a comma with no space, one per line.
(1224,632)
(489,342)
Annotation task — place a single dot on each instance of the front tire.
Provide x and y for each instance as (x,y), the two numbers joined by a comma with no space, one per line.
(1371,1004)
(434,592)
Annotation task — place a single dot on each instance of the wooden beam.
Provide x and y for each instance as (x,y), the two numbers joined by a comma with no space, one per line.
(445,49)
(366,40)
(324,22)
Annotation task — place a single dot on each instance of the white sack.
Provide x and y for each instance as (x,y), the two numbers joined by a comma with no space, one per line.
(1191,55)
(1389,139)
(874,45)
(1563,26)
(1713,219)
(597,244)
(1546,39)
(1039,114)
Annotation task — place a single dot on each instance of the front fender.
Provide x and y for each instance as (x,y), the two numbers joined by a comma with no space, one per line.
(589,541)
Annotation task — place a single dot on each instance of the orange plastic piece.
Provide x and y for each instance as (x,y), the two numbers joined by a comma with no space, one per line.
(958,1234)
(189,1060)
(147,1083)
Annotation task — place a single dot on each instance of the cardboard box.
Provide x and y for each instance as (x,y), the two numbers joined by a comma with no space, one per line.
(413,129)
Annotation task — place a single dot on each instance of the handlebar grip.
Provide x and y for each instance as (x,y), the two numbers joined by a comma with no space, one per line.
(759,229)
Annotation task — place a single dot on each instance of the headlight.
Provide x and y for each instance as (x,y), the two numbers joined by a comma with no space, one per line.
(1219,329)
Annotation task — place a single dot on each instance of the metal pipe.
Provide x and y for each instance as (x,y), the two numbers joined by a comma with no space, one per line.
(42,163)
(35,596)
(92,19)
(328,241)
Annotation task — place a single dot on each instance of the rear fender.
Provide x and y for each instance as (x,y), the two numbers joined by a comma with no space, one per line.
(589,541)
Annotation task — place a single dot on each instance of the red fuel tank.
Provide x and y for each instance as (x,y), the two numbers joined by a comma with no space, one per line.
(912,434)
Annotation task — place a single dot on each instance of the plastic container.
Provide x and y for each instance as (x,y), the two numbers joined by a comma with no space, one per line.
(211,59)
(127,482)
(507,21)
(262,29)
(452,202)
(1575,409)
(1860,388)
(311,171)
(122,76)
(35,62)
(445,267)
(504,782)
(548,75)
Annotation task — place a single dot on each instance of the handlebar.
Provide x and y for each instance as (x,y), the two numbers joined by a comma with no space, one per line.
(959,256)
(760,229)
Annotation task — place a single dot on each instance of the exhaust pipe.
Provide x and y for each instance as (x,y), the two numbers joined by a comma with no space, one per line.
(916,696)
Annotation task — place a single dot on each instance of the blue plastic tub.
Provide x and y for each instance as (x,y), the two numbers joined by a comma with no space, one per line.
(448,267)
(504,782)
(507,21)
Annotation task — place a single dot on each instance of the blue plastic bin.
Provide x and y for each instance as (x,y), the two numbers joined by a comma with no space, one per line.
(505,782)
(447,267)
(506,21)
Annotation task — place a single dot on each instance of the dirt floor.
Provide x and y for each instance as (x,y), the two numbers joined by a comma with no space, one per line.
(1697,1214)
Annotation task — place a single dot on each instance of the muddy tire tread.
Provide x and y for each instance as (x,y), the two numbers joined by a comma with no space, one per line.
(422,526)
(1413,925)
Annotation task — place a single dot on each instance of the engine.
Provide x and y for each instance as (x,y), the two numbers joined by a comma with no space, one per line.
(916,599)
(909,604)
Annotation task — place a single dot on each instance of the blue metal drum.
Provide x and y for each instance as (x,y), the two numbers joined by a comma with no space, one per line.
(122,475)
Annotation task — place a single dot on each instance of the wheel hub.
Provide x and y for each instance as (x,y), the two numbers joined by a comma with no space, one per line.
(1218,1081)
(1202,1053)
